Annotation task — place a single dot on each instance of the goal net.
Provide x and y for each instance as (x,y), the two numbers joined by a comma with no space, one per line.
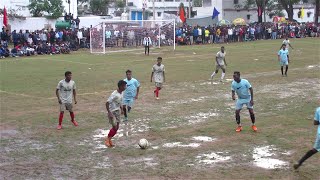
(128,35)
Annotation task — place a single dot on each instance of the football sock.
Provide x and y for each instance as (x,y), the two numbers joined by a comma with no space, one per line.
(253,118)
(129,108)
(72,116)
(214,73)
(286,70)
(60,118)
(238,119)
(125,112)
(222,75)
(282,70)
(157,92)
(112,132)
(307,155)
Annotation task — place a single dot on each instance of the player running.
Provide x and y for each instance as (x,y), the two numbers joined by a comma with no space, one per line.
(114,109)
(66,90)
(242,88)
(130,94)
(220,63)
(283,57)
(158,76)
(316,147)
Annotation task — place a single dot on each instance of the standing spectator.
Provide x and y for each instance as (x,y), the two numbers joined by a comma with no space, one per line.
(146,42)
(195,34)
(15,38)
(77,22)
(79,35)
(52,36)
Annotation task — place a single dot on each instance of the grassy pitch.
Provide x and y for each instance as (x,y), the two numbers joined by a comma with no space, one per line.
(191,128)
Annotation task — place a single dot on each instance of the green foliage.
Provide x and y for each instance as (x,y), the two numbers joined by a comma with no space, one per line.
(99,7)
(51,8)
(197,3)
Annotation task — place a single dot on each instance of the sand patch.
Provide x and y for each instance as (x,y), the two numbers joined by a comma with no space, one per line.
(201,117)
(209,83)
(179,144)
(263,158)
(199,99)
(212,158)
(203,138)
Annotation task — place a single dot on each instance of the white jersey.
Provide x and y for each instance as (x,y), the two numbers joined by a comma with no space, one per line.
(286,42)
(66,90)
(158,73)
(115,101)
(220,57)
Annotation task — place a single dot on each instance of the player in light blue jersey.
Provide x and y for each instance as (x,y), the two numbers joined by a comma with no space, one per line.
(283,57)
(130,94)
(242,88)
(316,147)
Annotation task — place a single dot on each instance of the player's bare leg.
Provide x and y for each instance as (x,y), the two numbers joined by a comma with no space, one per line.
(239,128)
(253,120)
(286,70)
(125,113)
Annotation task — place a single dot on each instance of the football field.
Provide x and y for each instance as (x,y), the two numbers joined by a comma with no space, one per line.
(191,129)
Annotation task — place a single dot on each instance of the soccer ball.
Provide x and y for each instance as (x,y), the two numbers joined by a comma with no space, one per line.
(143,143)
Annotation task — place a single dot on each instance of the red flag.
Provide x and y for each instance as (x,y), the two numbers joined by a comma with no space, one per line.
(5,17)
(181,14)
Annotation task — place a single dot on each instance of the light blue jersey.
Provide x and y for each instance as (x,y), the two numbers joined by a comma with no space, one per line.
(283,55)
(317,118)
(242,89)
(131,90)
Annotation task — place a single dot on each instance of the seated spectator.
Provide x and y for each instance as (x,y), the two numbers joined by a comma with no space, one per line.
(41,50)
(2,52)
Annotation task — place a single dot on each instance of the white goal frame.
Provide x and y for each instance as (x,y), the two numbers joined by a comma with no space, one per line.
(100,34)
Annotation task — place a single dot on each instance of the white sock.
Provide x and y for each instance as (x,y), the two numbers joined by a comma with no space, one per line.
(222,75)
(214,73)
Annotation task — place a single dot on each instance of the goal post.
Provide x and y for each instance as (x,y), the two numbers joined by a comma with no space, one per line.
(128,35)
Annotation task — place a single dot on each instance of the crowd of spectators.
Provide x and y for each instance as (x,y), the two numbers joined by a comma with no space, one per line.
(41,42)
(232,33)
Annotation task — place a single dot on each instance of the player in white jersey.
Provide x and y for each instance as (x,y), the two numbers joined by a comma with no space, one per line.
(220,63)
(158,76)
(130,94)
(287,43)
(66,91)
(114,109)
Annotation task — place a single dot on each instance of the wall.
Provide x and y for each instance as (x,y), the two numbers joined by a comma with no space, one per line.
(231,15)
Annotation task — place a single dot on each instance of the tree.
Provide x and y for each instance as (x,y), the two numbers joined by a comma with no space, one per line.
(120,4)
(99,7)
(260,4)
(50,8)
(288,6)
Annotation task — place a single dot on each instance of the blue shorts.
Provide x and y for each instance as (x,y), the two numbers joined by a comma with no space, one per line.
(241,102)
(317,143)
(284,63)
(128,102)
